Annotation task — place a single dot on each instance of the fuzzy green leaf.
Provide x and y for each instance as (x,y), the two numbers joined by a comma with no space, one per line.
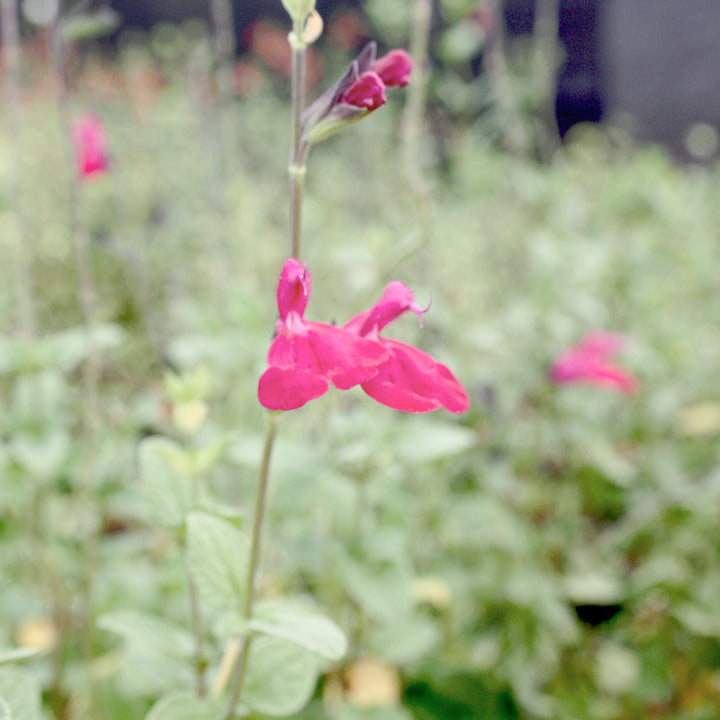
(433,440)
(184,705)
(348,712)
(13,655)
(21,693)
(281,677)
(312,632)
(5,713)
(217,558)
(146,630)
(166,488)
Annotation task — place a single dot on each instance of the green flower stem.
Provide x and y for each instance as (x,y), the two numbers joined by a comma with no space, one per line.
(297,177)
(244,641)
(296,168)
(196,622)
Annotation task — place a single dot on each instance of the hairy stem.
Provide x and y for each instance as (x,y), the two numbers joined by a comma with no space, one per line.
(242,643)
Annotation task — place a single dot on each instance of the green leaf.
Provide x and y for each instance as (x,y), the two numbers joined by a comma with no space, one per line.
(429,440)
(90,25)
(204,458)
(348,712)
(217,559)
(146,673)
(313,632)
(184,705)
(42,457)
(150,631)
(382,591)
(21,693)
(63,350)
(698,620)
(617,669)
(39,399)
(281,677)
(593,587)
(298,10)
(167,490)
(13,655)
(5,713)
(409,637)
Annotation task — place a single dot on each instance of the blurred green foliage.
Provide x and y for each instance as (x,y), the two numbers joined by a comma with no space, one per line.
(552,554)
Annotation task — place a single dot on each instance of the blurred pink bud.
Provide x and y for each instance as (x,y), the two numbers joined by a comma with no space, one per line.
(90,146)
(590,362)
(394,68)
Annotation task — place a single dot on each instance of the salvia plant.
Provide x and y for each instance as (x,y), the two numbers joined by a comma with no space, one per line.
(207,597)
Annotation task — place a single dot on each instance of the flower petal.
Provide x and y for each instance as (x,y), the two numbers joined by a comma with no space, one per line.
(602,343)
(368,91)
(345,359)
(579,365)
(413,381)
(294,288)
(394,68)
(396,300)
(289,388)
(90,146)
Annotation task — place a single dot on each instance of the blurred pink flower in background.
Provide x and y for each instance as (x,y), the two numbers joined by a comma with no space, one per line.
(410,380)
(306,356)
(90,143)
(590,362)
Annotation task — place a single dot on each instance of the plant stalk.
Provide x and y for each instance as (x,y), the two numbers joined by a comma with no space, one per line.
(243,641)
(298,155)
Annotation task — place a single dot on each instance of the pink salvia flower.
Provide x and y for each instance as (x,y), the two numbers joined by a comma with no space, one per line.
(91,153)
(306,356)
(394,68)
(590,362)
(409,380)
(367,92)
